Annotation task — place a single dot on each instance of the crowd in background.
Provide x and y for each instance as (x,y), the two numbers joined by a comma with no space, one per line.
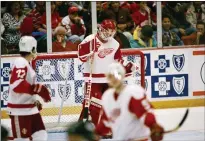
(183,23)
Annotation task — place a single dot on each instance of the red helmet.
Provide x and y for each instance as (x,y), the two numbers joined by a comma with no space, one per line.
(72,10)
(106,29)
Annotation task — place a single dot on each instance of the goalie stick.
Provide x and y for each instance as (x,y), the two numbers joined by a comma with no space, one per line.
(86,115)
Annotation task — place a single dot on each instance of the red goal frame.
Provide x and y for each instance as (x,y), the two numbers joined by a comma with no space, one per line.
(73,54)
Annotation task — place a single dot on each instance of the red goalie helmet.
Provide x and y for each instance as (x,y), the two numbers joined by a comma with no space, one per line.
(106,29)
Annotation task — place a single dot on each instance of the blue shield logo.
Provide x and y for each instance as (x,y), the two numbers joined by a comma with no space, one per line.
(179,84)
(61,90)
(178,61)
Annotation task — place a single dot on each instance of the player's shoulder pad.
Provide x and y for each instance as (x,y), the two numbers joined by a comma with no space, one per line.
(88,38)
(20,62)
(136,91)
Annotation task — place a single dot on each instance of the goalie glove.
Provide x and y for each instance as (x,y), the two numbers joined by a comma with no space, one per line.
(42,91)
(156,132)
(130,68)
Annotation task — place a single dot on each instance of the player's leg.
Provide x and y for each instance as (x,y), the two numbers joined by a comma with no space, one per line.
(21,128)
(38,129)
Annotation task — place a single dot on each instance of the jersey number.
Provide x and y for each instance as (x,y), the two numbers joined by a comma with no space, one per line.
(20,73)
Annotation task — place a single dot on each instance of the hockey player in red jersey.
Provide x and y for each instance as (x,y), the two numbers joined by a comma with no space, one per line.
(96,52)
(126,111)
(23,107)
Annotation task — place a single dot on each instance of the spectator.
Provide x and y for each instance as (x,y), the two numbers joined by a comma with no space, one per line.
(121,16)
(125,4)
(141,17)
(133,6)
(203,12)
(60,44)
(198,7)
(2,29)
(62,8)
(36,15)
(143,37)
(121,39)
(12,20)
(82,131)
(169,38)
(200,33)
(4,50)
(27,6)
(176,12)
(24,28)
(74,25)
(39,32)
(100,6)
(4,134)
(55,18)
(191,15)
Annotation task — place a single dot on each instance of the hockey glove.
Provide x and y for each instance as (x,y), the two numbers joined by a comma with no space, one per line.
(38,105)
(42,91)
(156,132)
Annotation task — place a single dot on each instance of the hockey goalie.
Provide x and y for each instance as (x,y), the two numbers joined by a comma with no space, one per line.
(96,52)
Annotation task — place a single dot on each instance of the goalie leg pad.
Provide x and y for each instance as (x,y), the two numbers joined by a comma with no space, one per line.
(95,112)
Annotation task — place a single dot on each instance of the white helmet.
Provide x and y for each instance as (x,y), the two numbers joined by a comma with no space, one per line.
(117,70)
(27,43)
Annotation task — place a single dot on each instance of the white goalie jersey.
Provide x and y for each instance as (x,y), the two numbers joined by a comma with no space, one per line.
(104,54)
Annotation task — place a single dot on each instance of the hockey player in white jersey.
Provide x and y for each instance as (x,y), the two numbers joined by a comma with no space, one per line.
(23,108)
(126,112)
(96,52)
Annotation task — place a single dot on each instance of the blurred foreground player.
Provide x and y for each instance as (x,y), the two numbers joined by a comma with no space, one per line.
(4,134)
(23,108)
(82,131)
(126,111)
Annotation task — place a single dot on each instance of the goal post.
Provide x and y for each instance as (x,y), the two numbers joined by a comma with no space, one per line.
(62,75)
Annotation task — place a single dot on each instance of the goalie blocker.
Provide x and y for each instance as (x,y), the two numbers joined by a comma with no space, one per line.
(23,108)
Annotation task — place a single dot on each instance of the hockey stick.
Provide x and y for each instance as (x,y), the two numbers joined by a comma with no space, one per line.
(88,87)
(180,124)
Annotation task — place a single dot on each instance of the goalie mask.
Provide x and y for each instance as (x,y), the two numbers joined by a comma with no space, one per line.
(28,44)
(106,29)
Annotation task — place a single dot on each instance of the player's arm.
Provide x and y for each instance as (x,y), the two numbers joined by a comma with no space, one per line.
(19,84)
(142,108)
(129,67)
(101,128)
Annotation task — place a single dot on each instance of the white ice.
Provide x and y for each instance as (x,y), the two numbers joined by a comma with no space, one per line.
(192,130)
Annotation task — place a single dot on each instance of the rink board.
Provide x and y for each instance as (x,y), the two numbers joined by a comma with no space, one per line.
(174,78)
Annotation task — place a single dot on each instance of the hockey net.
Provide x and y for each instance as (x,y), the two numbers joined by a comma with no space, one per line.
(62,75)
